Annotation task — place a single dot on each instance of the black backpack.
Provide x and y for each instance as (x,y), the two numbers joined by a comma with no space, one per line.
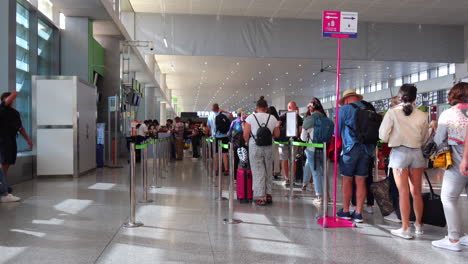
(222,123)
(264,136)
(367,123)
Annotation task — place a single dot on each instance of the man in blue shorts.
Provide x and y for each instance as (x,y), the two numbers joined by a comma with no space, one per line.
(355,157)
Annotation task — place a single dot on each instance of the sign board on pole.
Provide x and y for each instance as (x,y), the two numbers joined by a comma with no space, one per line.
(291,124)
(339,24)
(112,103)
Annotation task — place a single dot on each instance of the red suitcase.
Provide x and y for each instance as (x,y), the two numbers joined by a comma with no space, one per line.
(244,185)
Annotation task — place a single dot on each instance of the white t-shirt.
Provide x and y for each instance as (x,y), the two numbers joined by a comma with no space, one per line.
(142,130)
(262,119)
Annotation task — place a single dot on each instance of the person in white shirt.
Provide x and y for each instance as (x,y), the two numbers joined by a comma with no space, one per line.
(406,130)
(143,129)
(259,130)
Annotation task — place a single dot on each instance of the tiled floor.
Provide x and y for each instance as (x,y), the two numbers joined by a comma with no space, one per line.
(80,221)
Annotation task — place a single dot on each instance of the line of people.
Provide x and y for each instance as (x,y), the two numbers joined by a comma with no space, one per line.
(403,128)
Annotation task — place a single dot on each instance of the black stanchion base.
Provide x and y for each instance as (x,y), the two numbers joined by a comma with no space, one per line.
(232,221)
(133,225)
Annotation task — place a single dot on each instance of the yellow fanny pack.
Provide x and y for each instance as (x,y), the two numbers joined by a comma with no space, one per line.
(442,159)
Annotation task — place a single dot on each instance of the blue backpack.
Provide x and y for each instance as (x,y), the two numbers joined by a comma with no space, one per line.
(323,129)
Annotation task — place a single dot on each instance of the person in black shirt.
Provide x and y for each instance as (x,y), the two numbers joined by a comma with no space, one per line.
(283,149)
(10,125)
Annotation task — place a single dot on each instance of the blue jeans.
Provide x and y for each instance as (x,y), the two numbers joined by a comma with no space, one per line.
(3,184)
(315,164)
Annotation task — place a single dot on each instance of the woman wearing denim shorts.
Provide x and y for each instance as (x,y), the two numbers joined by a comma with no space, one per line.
(406,130)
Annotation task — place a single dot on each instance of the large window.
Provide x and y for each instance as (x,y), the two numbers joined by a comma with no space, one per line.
(46,7)
(443,70)
(23,74)
(32,58)
(44,48)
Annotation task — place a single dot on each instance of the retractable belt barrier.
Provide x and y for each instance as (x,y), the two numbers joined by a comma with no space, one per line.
(160,148)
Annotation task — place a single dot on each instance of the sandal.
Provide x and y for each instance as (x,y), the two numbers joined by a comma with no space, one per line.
(260,202)
(304,187)
(269,199)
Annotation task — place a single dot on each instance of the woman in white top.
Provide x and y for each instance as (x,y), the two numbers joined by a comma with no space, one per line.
(406,130)
(259,130)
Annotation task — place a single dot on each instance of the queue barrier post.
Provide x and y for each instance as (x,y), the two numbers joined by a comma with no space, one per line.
(325,184)
(230,219)
(144,171)
(333,221)
(132,223)
(292,176)
(221,146)
(156,164)
(213,163)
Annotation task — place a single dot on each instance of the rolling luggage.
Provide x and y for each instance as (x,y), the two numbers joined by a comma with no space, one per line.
(244,185)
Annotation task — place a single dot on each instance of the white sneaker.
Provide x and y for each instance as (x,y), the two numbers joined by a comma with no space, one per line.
(9,198)
(392,217)
(406,234)
(369,209)
(446,244)
(418,230)
(464,240)
(317,201)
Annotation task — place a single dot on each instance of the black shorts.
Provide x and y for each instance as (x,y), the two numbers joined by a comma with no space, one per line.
(8,151)
(224,140)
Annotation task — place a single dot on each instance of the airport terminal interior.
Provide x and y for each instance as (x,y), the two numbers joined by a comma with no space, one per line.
(119,153)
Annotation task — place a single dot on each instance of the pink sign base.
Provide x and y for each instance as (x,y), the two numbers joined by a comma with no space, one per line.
(335,222)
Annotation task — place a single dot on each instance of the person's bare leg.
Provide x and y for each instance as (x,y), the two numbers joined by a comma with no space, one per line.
(5,168)
(401,179)
(415,182)
(216,163)
(286,169)
(347,190)
(225,161)
(361,192)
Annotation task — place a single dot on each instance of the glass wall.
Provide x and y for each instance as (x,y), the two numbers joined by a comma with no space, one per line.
(36,40)
(44,48)
(23,74)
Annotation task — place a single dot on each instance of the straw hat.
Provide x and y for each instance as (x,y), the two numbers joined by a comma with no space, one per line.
(240,111)
(349,93)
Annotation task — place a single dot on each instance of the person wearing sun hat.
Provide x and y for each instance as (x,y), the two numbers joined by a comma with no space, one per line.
(355,157)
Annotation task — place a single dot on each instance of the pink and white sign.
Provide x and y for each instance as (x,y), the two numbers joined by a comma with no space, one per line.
(338,24)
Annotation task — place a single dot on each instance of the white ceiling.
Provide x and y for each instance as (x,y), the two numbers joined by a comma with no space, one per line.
(392,11)
(236,82)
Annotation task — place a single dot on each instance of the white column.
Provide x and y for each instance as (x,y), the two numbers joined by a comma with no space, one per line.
(162,118)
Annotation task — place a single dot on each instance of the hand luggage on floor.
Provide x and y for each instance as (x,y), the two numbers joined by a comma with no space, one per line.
(381,192)
(433,213)
(433,209)
(298,177)
(244,185)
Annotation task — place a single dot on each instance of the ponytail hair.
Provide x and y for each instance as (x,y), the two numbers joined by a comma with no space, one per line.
(262,103)
(407,97)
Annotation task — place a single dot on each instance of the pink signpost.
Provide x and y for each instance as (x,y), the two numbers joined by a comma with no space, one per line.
(336,24)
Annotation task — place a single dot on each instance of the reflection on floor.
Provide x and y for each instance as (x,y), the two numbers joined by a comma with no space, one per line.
(80,221)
